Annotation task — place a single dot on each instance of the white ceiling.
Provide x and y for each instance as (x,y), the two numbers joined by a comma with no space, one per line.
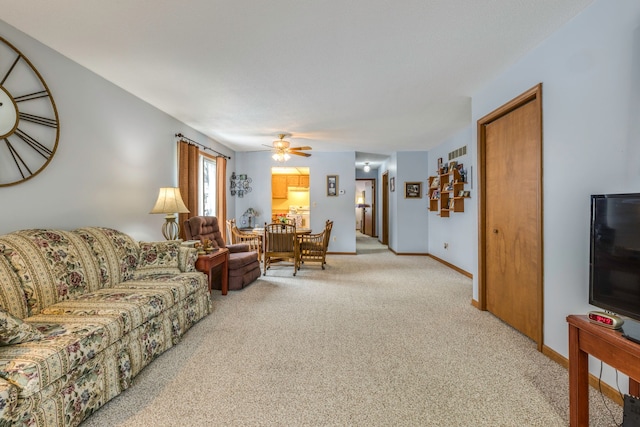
(371,76)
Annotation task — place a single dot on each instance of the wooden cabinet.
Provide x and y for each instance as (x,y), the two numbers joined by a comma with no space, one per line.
(281,183)
(279,186)
(446,193)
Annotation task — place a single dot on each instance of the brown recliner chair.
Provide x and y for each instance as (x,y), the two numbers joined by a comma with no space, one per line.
(244,266)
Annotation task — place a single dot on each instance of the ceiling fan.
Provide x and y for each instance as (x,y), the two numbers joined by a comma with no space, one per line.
(282,150)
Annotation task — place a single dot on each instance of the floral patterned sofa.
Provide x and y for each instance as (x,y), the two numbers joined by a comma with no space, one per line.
(82,312)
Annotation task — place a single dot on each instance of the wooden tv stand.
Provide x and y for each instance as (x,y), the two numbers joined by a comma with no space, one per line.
(608,345)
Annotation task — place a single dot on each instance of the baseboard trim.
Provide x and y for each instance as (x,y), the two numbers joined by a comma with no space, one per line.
(607,390)
(448,264)
(475,303)
(341,253)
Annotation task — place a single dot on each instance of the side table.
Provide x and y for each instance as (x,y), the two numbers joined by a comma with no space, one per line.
(208,261)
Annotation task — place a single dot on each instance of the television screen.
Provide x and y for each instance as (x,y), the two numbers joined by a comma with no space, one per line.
(614,276)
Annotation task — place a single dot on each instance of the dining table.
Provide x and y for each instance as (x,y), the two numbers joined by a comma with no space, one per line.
(260,230)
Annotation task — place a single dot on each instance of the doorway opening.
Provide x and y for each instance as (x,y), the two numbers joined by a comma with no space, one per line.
(290,195)
(366,207)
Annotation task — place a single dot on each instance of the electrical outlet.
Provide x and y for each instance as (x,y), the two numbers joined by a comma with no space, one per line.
(446,246)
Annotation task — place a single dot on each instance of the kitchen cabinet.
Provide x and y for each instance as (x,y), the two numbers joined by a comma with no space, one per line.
(279,186)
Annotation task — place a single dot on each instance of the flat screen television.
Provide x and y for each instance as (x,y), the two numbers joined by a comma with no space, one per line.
(614,268)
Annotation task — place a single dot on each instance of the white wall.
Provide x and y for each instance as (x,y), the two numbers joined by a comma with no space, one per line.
(114,152)
(340,209)
(459,230)
(411,215)
(590,70)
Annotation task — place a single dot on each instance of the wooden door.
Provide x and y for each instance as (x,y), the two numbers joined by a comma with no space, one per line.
(511,214)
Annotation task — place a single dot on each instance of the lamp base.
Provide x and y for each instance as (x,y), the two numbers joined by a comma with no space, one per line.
(170,229)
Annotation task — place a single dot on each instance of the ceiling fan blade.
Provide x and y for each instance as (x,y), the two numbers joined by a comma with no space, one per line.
(300,148)
(299,153)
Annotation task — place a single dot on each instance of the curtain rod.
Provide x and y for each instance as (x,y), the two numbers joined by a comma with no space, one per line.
(181,136)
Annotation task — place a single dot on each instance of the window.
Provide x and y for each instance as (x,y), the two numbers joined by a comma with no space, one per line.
(207,186)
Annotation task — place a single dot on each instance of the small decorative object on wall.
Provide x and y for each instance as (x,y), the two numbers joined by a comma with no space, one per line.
(29,124)
(413,190)
(240,184)
(332,185)
(440,165)
(392,184)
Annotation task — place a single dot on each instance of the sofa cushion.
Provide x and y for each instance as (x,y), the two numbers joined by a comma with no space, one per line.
(12,297)
(115,252)
(52,265)
(34,365)
(130,307)
(180,286)
(158,258)
(15,331)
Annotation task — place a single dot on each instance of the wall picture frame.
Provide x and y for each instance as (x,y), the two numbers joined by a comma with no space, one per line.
(332,185)
(413,190)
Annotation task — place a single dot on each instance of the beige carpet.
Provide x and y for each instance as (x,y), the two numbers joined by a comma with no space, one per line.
(373,340)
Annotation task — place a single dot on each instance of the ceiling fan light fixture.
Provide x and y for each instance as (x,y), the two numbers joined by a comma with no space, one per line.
(367,168)
(281,156)
(281,144)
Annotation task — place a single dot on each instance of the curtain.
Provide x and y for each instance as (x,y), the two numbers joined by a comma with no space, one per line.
(221,193)
(188,181)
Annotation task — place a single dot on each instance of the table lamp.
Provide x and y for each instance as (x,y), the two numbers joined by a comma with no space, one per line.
(169,202)
(250,213)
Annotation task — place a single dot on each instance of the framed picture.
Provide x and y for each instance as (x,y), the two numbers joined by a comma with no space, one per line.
(412,190)
(439,165)
(392,184)
(332,185)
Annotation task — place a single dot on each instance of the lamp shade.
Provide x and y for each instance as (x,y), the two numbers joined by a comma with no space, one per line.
(169,201)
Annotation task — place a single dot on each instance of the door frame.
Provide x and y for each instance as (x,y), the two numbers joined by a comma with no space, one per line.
(385,208)
(374,205)
(535,93)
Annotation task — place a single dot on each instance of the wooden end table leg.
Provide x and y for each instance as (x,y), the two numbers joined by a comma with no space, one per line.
(578,381)
(224,286)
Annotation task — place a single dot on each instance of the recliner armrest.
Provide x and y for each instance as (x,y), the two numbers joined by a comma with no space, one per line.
(238,247)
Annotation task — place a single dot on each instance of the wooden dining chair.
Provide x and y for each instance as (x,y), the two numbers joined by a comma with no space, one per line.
(280,243)
(254,240)
(313,247)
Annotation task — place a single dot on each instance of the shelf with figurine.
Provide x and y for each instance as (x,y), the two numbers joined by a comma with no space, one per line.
(446,190)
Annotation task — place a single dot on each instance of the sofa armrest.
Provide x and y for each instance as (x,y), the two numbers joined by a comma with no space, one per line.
(238,247)
(8,399)
(187,258)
